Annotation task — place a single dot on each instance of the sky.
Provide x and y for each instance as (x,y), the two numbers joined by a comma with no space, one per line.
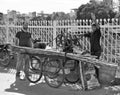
(48,6)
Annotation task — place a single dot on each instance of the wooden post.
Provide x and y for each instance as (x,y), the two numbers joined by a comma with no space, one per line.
(82,75)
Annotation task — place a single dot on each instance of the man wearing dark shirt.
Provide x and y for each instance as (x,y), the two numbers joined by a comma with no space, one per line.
(23,38)
(95,48)
(94,36)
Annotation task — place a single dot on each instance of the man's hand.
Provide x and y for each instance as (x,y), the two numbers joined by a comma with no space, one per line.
(93,17)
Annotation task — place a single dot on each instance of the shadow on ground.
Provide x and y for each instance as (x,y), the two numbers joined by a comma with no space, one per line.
(26,88)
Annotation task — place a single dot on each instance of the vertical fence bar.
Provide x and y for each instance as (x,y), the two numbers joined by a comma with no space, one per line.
(54,34)
(7,31)
(116,44)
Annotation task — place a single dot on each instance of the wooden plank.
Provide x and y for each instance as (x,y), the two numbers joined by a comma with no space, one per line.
(82,76)
(49,52)
(36,51)
(88,59)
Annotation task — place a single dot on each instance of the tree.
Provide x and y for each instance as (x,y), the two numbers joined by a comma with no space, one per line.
(1,16)
(99,9)
(60,16)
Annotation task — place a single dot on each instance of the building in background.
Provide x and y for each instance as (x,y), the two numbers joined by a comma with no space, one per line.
(32,14)
(12,15)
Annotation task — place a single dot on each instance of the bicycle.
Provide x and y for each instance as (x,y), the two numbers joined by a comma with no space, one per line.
(6,55)
(56,76)
(53,70)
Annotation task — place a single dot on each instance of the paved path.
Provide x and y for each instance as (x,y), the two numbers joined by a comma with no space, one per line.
(8,86)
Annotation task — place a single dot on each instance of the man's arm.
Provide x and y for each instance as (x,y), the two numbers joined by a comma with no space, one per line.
(31,40)
(17,38)
(17,41)
(85,34)
(94,20)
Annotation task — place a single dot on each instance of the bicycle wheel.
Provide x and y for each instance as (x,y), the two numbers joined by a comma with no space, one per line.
(54,73)
(35,62)
(51,68)
(71,72)
(33,72)
(4,58)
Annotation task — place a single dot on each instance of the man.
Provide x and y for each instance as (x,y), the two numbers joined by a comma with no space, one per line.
(23,38)
(94,36)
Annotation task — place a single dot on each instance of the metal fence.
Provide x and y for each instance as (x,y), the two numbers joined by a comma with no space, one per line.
(46,31)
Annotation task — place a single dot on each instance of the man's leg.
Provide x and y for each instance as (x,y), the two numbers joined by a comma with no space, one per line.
(26,62)
(23,57)
(98,54)
(19,64)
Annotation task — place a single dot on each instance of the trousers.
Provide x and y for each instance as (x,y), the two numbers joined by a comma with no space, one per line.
(22,60)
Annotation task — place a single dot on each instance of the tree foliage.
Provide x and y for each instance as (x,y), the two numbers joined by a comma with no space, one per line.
(100,10)
(1,16)
(60,16)
(53,16)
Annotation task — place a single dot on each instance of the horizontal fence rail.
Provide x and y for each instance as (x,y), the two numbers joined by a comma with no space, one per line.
(46,31)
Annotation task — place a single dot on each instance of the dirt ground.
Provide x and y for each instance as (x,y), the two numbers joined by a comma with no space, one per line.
(10,86)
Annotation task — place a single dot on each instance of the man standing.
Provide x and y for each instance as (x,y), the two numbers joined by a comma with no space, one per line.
(23,38)
(94,36)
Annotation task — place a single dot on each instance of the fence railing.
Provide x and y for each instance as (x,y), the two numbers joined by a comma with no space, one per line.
(46,31)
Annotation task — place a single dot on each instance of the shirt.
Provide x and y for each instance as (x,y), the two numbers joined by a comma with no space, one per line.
(94,40)
(24,38)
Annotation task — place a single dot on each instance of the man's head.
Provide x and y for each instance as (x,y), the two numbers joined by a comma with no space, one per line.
(94,27)
(25,26)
